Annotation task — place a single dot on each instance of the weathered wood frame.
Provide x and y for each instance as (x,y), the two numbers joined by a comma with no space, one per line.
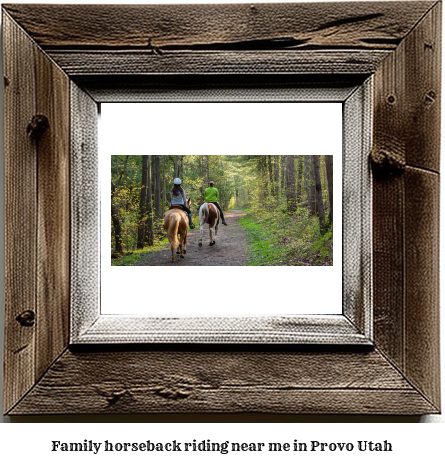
(90,52)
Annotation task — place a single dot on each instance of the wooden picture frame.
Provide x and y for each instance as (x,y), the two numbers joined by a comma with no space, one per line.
(56,71)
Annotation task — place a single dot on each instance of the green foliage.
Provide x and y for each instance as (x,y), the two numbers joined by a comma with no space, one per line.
(133,258)
(286,239)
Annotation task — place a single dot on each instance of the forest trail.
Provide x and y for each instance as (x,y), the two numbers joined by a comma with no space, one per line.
(230,248)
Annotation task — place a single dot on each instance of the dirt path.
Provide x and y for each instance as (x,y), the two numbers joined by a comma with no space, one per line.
(230,248)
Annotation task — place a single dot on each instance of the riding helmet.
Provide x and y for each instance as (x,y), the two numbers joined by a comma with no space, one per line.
(176,181)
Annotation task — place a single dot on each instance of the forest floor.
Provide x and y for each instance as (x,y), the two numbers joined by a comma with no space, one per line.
(230,248)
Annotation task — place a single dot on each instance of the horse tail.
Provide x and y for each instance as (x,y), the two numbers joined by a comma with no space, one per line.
(172,232)
(203,213)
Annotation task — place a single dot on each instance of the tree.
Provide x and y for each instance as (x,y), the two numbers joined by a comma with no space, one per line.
(319,194)
(143,213)
(299,177)
(312,200)
(207,171)
(329,174)
(157,187)
(119,244)
(291,196)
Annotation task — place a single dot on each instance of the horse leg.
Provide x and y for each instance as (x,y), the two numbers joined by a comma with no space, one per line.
(173,252)
(181,248)
(185,243)
(212,242)
(216,232)
(201,227)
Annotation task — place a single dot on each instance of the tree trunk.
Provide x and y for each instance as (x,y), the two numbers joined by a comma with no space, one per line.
(329,174)
(312,196)
(283,172)
(291,196)
(164,193)
(143,203)
(299,177)
(207,171)
(157,193)
(277,175)
(319,193)
(119,245)
(148,236)
(176,166)
(271,176)
(180,163)
(201,175)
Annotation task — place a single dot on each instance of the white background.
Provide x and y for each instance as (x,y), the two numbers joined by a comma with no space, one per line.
(212,129)
(414,443)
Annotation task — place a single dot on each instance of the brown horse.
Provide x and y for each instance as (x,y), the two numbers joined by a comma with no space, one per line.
(208,213)
(176,222)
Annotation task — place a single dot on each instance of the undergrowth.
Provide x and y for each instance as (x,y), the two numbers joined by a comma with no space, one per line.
(277,239)
(133,258)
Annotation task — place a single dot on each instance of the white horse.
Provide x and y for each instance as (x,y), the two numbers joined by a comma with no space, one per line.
(209,214)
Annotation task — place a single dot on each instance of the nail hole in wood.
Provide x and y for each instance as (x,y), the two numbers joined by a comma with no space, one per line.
(430,97)
(391,99)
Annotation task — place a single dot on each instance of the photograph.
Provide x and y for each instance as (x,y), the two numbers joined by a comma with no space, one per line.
(222,210)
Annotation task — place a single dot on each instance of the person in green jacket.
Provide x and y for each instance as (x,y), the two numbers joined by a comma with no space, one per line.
(211,195)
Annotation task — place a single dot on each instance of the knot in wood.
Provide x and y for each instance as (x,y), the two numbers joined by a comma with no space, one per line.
(387,163)
(26,318)
(37,126)
(172,393)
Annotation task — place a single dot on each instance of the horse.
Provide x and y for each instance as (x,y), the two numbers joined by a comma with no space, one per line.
(208,213)
(176,222)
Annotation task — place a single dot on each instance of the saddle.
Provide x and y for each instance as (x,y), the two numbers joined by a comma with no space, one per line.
(175,206)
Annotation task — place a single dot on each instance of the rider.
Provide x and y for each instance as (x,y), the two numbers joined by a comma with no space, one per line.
(179,198)
(211,195)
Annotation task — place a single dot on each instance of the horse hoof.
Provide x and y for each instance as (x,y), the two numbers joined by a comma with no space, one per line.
(214,242)
(182,256)
(178,253)
(211,243)
(185,251)
(200,244)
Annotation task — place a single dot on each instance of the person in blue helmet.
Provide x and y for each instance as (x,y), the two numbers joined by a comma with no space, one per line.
(179,198)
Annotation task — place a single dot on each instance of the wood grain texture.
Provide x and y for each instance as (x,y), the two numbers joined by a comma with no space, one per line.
(406,132)
(388,268)
(222,382)
(423,92)
(341,25)
(112,329)
(422,364)
(121,63)
(53,228)
(20,212)
(85,209)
